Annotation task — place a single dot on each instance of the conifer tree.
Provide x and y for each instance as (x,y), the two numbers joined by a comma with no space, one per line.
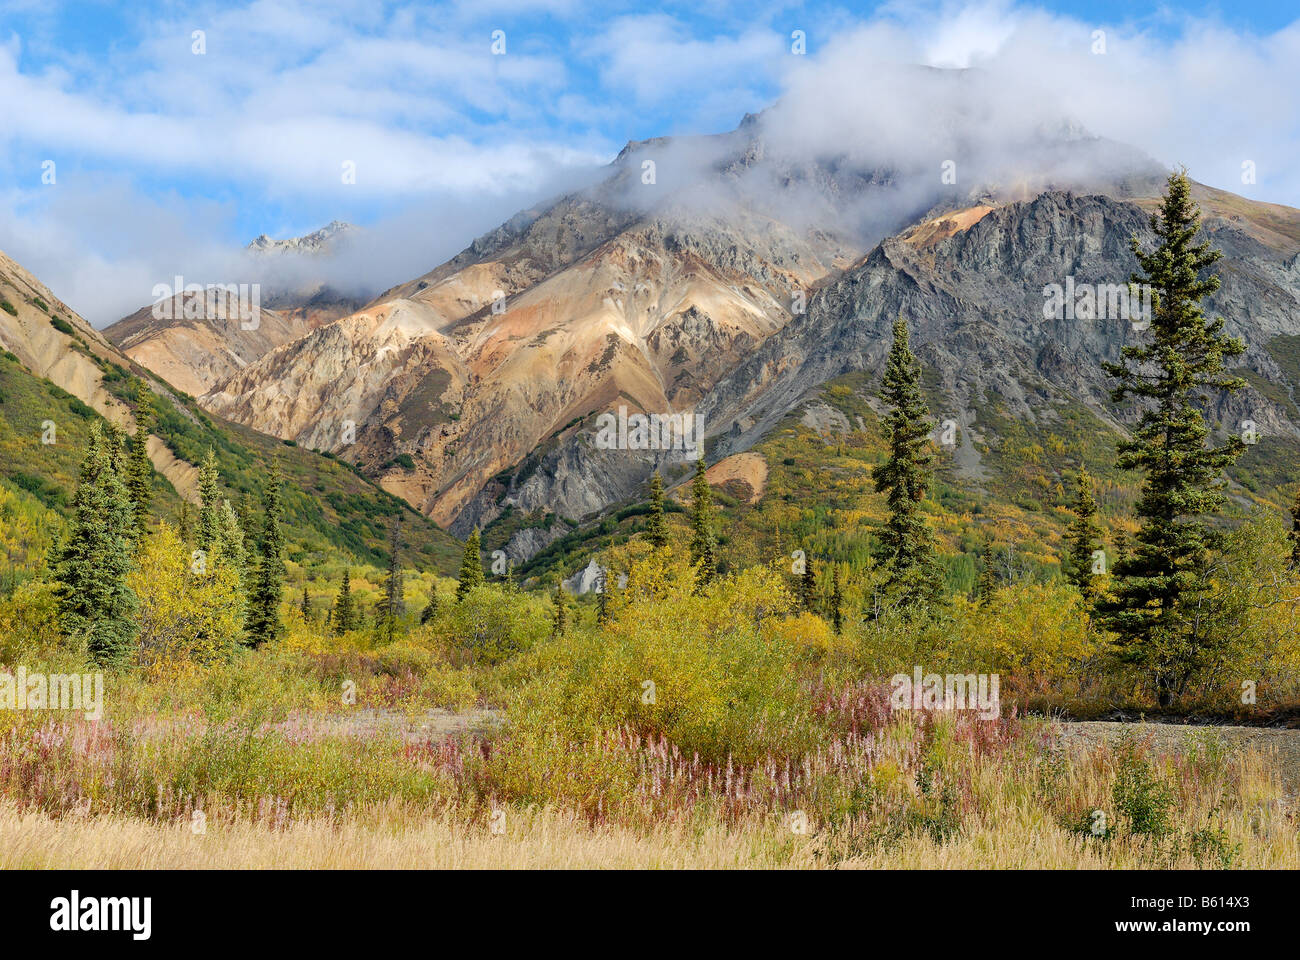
(209,502)
(394,603)
(247,523)
(139,481)
(560,617)
(1295,531)
(228,547)
(1156,588)
(471,567)
(431,608)
(986,585)
(656,531)
(345,611)
(183,522)
(602,596)
(115,444)
(91,565)
(808,587)
(305,606)
(263,620)
(907,546)
(1084,537)
(837,601)
(703,544)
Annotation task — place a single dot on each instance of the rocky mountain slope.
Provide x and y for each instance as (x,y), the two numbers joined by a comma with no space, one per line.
(55,369)
(722,277)
(197,341)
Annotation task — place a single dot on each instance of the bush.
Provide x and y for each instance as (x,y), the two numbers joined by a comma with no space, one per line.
(712,673)
(1143,800)
(492,624)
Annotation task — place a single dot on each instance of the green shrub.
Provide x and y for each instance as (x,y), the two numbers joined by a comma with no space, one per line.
(1142,799)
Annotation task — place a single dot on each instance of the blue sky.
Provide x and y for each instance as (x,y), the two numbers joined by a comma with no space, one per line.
(164,157)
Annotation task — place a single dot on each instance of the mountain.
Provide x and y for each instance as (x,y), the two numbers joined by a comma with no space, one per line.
(315,243)
(57,370)
(199,340)
(735,279)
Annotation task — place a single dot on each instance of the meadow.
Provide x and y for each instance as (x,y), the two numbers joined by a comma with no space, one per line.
(659,725)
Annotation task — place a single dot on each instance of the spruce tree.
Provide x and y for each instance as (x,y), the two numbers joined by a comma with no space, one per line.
(431,608)
(1295,531)
(986,584)
(655,529)
(246,523)
(602,596)
(91,564)
(1084,537)
(115,444)
(263,618)
(907,546)
(837,601)
(1157,587)
(183,522)
(703,544)
(305,606)
(471,567)
(808,587)
(560,617)
(209,500)
(345,611)
(139,481)
(394,603)
(228,547)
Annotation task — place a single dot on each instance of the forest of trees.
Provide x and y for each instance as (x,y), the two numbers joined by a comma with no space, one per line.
(130,586)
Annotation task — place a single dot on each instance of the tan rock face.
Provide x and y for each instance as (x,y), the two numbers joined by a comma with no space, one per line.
(196,343)
(50,353)
(467,371)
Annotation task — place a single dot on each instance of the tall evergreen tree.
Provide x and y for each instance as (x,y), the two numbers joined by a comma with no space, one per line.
(837,601)
(139,480)
(247,523)
(602,595)
(907,546)
(431,608)
(1295,530)
(394,603)
(986,584)
(91,564)
(115,444)
(1084,537)
(656,530)
(229,544)
(471,567)
(1156,588)
(305,606)
(703,543)
(262,622)
(345,611)
(808,586)
(560,616)
(209,503)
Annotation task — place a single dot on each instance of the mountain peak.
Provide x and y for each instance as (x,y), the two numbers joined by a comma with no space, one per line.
(315,242)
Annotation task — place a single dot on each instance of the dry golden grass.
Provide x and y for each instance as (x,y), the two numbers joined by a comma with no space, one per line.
(542,840)
(1013,834)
